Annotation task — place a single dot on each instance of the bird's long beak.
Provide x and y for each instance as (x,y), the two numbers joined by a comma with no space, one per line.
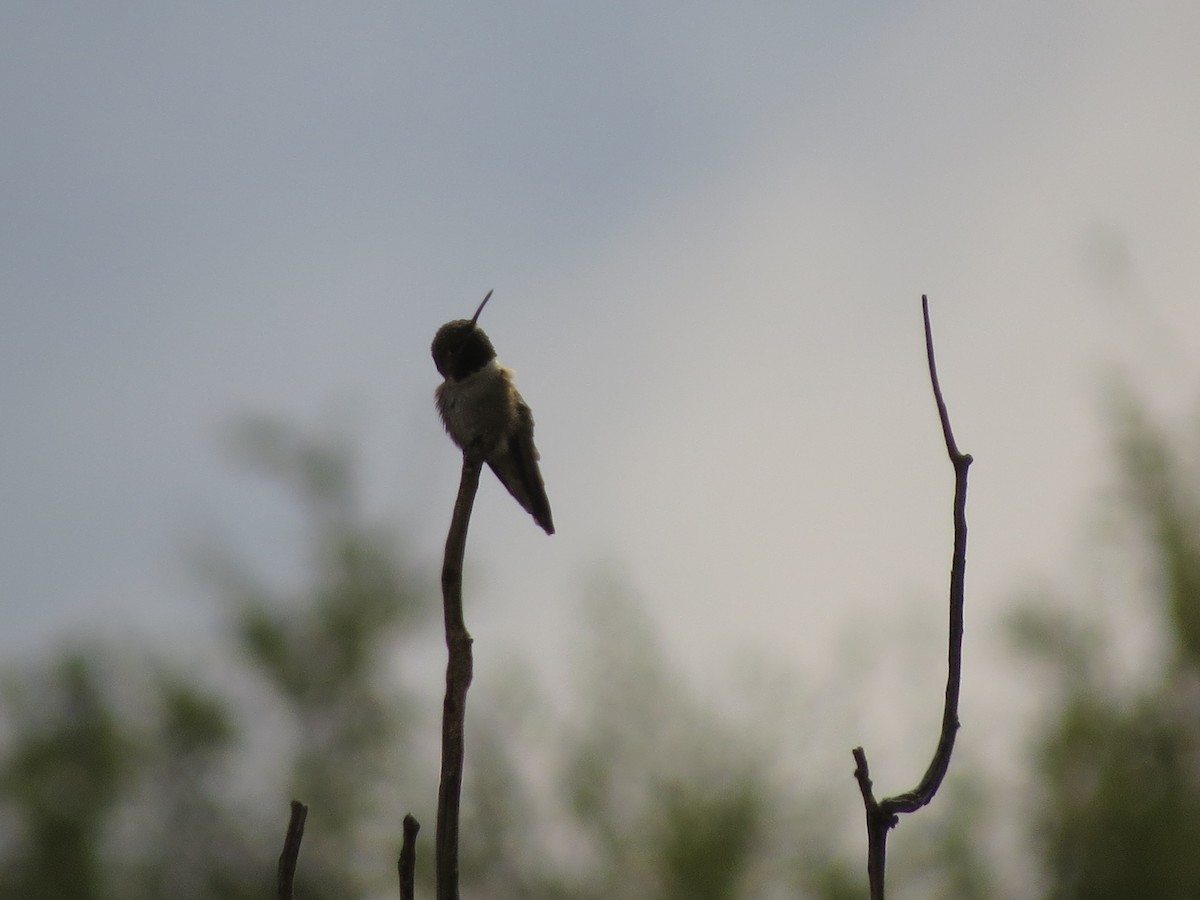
(481,306)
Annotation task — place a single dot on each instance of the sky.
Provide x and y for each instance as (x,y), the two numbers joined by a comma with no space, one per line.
(708,228)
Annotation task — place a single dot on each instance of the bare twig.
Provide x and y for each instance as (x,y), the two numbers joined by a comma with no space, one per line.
(458,678)
(407,864)
(883,815)
(291,850)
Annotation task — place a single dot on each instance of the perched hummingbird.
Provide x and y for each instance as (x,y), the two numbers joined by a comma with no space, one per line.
(483,412)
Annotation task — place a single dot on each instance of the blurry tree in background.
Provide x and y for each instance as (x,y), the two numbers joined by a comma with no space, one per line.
(124,776)
(67,764)
(325,652)
(121,776)
(106,786)
(1118,765)
(642,788)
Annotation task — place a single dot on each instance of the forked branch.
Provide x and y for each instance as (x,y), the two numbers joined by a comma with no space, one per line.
(882,815)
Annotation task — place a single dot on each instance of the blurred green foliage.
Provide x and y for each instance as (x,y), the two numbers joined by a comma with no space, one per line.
(1118,765)
(123,774)
(67,763)
(649,792)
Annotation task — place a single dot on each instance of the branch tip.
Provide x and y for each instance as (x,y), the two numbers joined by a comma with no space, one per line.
(290,855)
(407,864)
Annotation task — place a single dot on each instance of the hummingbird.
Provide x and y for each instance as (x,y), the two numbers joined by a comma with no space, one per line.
(484,414)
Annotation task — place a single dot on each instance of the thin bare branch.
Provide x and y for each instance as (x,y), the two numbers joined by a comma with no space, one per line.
(877,826)
(459,668)
(407,864)
(883,815)
(291,851)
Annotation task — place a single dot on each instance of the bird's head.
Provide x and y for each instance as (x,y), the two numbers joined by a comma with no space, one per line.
(460,348)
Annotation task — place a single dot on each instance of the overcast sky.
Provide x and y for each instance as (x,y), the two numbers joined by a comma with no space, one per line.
(708,228)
